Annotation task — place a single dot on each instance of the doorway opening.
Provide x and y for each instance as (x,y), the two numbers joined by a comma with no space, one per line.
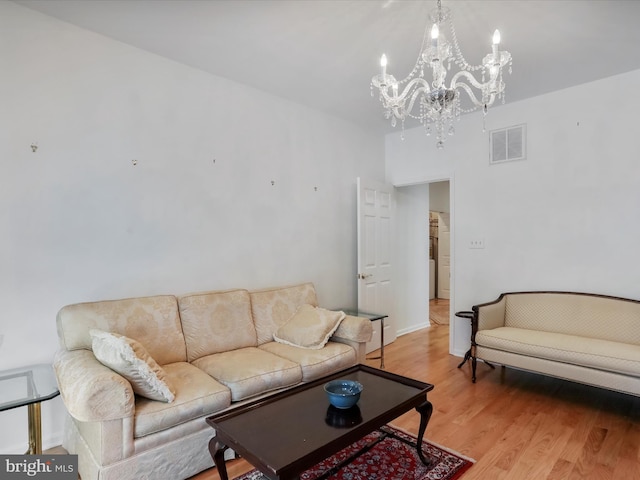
(439,253)
(411,253)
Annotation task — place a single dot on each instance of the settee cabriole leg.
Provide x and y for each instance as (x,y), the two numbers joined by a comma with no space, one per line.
(474,362)
(217,449)
(425,410)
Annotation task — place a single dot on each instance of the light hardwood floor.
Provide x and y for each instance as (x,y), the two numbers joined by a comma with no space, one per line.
(439,311)
(516,425)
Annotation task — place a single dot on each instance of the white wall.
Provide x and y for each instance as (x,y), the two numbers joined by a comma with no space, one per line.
(439,197)
(80,222)
(411,271)
(566,218)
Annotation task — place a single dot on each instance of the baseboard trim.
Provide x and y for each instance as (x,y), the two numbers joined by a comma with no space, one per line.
(412,328)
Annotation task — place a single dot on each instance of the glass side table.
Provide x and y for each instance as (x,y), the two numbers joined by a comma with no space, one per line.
(374,317)
(28,386)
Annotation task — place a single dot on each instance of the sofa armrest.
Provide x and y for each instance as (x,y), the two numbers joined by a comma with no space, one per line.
(490,315)
(356,329)
(90,391)
(355,332)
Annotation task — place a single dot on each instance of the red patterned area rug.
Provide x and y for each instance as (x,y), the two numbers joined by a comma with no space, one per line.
(386,454)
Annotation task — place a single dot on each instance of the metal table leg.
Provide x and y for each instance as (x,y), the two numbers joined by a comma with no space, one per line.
(35,429)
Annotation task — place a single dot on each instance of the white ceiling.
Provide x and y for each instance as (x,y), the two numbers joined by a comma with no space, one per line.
(323,53)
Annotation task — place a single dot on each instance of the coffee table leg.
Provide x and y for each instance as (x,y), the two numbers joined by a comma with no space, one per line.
(217,449)
(425,410)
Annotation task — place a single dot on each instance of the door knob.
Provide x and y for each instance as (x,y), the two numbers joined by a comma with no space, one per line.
(362,276)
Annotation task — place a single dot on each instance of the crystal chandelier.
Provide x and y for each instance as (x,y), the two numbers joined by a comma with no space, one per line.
(436,103)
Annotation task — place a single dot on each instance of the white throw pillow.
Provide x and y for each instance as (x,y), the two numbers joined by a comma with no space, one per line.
(131,360)
(310,327)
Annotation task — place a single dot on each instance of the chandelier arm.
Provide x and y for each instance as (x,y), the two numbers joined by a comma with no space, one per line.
(473,97)
(388,100)
(424,85)
(418,80)
(455,80)
(424,88)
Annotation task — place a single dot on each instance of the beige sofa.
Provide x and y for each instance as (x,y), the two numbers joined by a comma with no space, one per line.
(214,349)
(586,338)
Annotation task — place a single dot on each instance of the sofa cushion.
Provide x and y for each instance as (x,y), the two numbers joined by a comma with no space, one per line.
(131,360)
(315,363)
(589,352)
(273,307)
(250,371)
(197,394)
(309,327)
(152,321)
(215,322)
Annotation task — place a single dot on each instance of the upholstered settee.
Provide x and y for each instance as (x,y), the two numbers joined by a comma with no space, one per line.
(585,338)
(138,376)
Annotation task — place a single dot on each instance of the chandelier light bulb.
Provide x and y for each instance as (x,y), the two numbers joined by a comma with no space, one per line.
(383,64)
(496,37)
(494,47)
(435,32)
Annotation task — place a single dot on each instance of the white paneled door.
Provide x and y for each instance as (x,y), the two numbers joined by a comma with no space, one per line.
(376,207)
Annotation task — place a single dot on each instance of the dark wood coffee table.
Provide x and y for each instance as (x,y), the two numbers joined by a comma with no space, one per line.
(287,433)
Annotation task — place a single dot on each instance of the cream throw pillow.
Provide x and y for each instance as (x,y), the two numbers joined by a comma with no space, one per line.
(310,327)
(131,360)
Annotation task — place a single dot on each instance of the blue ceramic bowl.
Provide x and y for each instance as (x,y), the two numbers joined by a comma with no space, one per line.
(343,393)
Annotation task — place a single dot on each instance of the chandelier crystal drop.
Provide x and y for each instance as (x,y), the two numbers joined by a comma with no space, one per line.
(436,104)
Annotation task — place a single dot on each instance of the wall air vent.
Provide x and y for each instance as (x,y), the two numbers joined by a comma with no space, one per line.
(508,144)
